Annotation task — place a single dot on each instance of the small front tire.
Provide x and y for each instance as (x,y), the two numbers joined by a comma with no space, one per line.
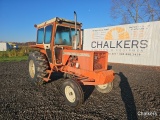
(105,88)
(72,92)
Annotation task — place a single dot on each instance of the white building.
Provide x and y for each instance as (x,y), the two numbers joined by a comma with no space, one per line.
(4,46)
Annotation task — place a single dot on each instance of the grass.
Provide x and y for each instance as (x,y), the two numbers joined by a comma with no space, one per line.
(16,54)
(22,51)
(15,58)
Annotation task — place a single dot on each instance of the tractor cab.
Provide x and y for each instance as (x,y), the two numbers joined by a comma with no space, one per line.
(58,34)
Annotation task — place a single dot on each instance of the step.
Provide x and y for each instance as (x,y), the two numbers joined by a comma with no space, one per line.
(46,79)
(49,71)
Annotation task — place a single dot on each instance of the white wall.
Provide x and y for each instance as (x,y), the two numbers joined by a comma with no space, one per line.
(3,46)
(131,44)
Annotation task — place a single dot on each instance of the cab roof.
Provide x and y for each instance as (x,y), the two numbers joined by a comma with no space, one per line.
(60,20)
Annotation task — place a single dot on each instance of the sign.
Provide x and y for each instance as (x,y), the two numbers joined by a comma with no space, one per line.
(129,41)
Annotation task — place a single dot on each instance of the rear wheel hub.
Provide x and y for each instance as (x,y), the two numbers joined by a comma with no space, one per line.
(31,68)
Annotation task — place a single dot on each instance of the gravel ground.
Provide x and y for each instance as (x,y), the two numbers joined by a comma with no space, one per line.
(136,95)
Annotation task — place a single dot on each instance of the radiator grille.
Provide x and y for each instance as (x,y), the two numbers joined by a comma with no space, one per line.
(99,61)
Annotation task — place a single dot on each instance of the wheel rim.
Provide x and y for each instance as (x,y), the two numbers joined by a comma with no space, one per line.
(103,86)
(70,94)
(31,68)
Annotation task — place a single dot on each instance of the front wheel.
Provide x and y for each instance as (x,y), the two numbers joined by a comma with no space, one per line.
(106,88)
(73,93)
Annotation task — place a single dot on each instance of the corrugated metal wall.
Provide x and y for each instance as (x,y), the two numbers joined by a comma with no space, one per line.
(131,44)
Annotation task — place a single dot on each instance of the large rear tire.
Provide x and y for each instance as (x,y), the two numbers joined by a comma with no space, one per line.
(38,64)
(106,88)
(72,92)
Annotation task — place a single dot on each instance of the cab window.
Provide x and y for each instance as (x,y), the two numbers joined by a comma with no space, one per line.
(48,34)
(40,35)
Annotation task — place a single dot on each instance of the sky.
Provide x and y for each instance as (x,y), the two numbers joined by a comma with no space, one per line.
(17,17)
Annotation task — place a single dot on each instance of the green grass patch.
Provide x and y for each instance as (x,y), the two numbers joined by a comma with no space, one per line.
(15,58)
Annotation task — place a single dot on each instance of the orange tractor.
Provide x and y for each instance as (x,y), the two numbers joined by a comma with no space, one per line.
(60,49)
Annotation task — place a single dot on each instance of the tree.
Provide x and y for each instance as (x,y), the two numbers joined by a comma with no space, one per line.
(134,11)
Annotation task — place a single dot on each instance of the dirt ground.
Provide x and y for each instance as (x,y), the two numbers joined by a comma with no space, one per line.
(136,95)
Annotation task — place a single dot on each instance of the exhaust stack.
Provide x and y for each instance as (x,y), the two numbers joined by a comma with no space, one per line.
(75,20)
(74,38)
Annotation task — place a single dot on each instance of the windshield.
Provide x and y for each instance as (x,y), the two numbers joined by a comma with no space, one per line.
(64,35)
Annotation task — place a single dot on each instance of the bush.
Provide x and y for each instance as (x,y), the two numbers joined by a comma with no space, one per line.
(21,51)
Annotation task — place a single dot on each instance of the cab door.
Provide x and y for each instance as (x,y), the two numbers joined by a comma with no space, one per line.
(47,40)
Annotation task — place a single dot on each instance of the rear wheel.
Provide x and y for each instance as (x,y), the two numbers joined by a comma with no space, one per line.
(105,88)
(38,65)
(72,92)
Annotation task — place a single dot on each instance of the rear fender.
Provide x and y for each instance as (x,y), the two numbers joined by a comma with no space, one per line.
(37,46)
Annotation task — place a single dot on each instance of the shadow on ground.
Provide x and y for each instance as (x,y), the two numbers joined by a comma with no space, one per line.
(87,89)
(127,97)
